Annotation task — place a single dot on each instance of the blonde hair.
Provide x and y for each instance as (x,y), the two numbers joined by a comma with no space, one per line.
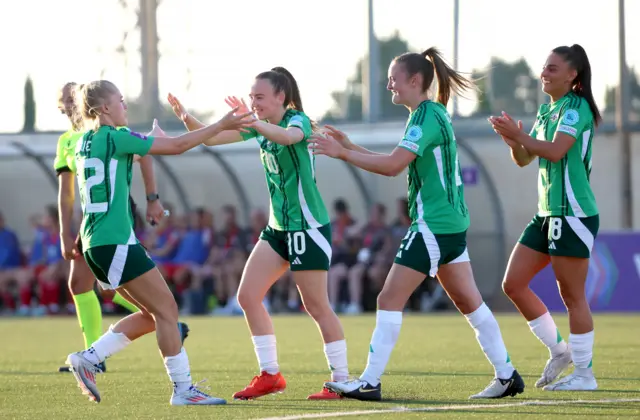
(69,86)
(88,98)
(76,120)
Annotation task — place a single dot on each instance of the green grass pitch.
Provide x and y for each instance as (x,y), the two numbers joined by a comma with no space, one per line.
(436,365)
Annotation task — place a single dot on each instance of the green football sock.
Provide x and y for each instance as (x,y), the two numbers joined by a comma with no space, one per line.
(124,303)
(89,316)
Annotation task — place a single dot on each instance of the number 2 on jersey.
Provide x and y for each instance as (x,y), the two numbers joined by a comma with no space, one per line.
(97,179)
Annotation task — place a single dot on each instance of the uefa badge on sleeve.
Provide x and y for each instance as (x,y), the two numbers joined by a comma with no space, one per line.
(414,133)
(571,117)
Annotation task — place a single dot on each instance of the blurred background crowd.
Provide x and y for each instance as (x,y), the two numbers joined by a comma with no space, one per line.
(201,255)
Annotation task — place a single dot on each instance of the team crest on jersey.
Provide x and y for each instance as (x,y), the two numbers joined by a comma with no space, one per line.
(554,117)
(571,117)
(414,133)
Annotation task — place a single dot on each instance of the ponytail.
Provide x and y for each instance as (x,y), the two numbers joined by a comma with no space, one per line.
(431,65)
(295,100)
(449,80)
(577,58)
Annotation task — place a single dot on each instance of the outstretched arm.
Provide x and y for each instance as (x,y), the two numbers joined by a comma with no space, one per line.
(161,144)
(282,136)
(345,141)
(387,165)
(383,164)
(192,124)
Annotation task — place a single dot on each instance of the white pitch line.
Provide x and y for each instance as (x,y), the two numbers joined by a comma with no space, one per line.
(450,408)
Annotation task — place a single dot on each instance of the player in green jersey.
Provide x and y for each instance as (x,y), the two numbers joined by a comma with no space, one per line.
(81,280)
(104,157)
(298,235)
(435,244)
(564,229)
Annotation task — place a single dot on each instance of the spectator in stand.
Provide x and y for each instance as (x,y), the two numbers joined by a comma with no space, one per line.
(47,269)
(258,222)
(400,226)
(344,250)
(10,262)
(193,251)
(227,261)
(372,263)
(162,242)
(340,224)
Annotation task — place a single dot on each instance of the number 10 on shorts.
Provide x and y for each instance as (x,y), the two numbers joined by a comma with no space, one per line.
(297,242)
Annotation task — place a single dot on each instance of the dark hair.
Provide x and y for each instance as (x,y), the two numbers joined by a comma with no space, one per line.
(382,209)
(340,206)
(228,208)
(577,59)
(283,81)
(430,63)
(52,212)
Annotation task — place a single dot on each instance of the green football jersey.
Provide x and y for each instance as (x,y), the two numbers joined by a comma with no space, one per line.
(436,191)
(104,159)
(563,187)
(296,203)
(65,151)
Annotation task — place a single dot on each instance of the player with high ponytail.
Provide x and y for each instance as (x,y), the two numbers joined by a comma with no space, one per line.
(565,227)
(436,243)
(298,235)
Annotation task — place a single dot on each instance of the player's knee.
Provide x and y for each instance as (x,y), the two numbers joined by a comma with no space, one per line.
(511,288)
(466,303)
(167,311)
(318,308)
(387,301)
(79,284)
(248,299)
(573,297)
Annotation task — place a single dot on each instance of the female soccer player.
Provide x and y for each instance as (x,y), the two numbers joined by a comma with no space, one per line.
(565,227)
(104,157)
(435,244)
(81,281)
(298,235)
